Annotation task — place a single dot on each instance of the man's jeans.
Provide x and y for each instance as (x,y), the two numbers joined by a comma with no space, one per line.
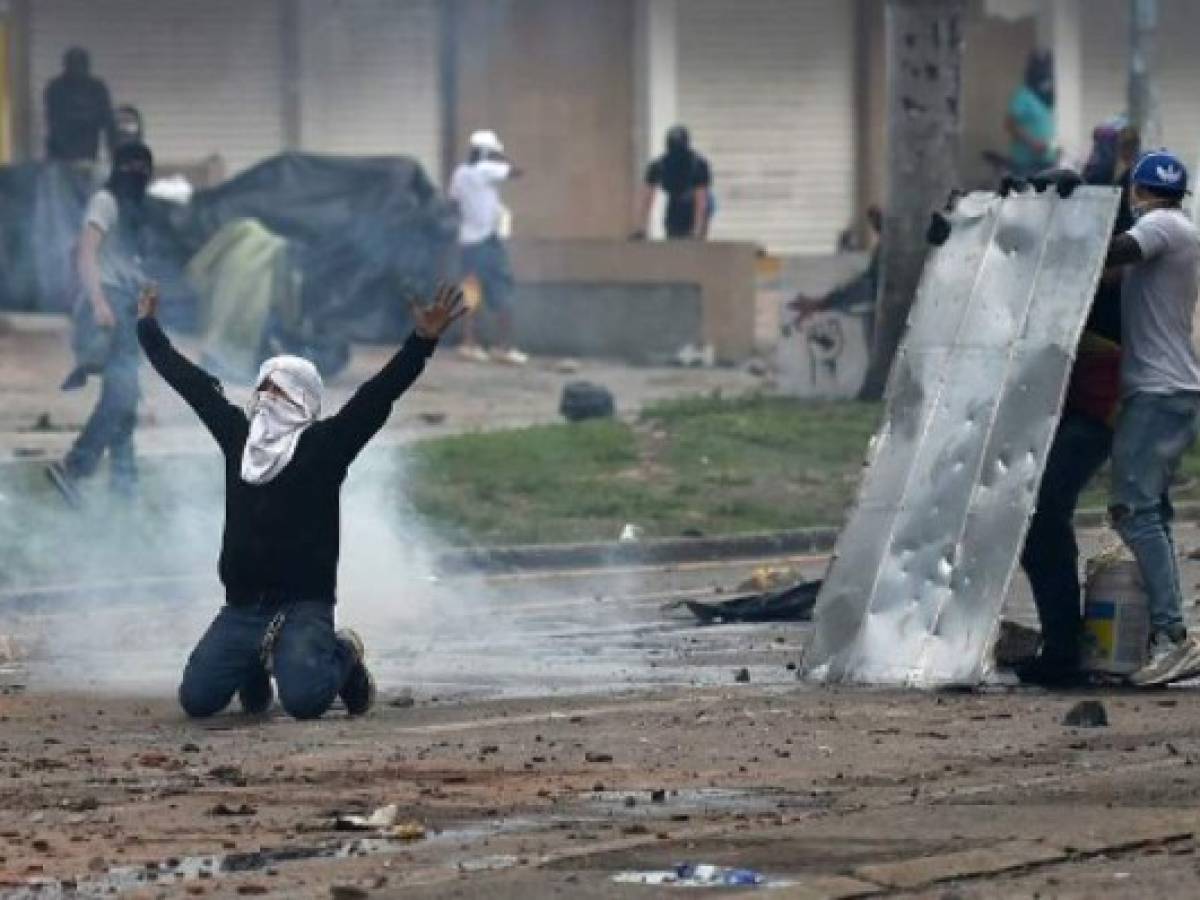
(1051,555)
(1153,433)
(310,664)
(110,426)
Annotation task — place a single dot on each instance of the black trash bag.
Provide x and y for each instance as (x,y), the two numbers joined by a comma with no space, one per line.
(584,400)
(794,603)
(367,231)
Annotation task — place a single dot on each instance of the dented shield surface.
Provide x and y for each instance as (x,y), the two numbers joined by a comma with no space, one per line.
(914,592)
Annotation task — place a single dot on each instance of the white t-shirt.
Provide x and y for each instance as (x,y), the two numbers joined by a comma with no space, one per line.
(1158,300)
(120,269)
(474,189)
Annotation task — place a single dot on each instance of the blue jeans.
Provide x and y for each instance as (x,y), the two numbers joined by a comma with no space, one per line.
(1050,557)
(488,262)
(310,663)
(110,426)
(1153,433)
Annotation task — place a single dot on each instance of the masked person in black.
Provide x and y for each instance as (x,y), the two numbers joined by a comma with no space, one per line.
(111,277)
(684,176)
(284,468)
(78,110)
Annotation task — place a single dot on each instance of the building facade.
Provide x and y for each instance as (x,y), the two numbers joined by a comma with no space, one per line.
(785,97)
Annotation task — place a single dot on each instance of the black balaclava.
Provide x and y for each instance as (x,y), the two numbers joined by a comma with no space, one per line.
(130,187)
(77,63)
(677,162)
(679,142)
(1039,76)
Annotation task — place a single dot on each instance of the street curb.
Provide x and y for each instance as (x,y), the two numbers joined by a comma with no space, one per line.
(675,551)
(665,551)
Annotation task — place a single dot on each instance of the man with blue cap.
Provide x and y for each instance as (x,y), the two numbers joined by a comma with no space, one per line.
(1159,416)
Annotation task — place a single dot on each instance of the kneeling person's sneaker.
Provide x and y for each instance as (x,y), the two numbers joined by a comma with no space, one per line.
(257,693)
(358,692)
(1171,659)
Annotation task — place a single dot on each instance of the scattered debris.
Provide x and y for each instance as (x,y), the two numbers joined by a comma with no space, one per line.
(402,700)
(432,418)
(1087,714)
(631,533)
(598,757)
(228,775)
(691,356)
(793,603)
(1015,643)
(583,400)
(224,809)
(347,892)
(384,817)
(406,831)
(694,875)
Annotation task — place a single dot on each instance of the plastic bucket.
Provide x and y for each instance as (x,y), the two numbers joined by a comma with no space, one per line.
(1116,620)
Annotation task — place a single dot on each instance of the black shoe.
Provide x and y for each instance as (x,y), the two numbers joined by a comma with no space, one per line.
(257,694)
(1051,672)
(358,692)
(65,483)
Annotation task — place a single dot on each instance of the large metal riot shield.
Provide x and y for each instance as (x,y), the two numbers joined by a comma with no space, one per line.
(914,592)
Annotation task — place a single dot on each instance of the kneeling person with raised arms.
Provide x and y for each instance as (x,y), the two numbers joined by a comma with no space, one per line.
(284,468)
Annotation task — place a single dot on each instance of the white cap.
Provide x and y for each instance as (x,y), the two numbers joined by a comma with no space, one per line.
(486,141)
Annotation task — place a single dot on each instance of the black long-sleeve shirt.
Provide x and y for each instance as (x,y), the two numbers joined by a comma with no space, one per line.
(281,538)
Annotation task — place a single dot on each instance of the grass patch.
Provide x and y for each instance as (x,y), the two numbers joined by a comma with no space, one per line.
(703,465)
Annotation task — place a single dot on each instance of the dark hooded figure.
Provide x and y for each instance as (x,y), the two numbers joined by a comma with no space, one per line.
(684,176)
(111,276)
(78,110)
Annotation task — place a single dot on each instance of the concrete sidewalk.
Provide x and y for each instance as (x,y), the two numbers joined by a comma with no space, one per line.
(453,396)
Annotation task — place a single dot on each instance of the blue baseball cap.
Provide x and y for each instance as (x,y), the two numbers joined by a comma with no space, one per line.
(1161,171)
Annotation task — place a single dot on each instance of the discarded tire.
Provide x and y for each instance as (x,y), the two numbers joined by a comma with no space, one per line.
(583,400)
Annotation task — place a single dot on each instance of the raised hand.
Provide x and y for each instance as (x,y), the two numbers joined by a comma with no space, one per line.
(431,321)
(148,301)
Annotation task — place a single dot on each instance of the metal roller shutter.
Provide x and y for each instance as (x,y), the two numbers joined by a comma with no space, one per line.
(369,78)
(767,89)
(206,76)
(1104,41)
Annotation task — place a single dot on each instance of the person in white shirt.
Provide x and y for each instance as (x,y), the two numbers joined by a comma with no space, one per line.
(1159,418)
(475,190)
(112,277)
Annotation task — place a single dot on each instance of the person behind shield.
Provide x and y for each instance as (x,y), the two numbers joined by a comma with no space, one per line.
(1082,442)
(284,468)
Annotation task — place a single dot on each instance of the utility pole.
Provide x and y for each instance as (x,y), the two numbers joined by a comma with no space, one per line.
(1142,94)
(924,96)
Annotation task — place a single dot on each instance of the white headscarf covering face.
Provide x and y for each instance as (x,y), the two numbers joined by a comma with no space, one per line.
(277,423)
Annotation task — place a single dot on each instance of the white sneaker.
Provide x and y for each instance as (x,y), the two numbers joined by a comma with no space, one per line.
(1169,661)
(473,353)
(511,357)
